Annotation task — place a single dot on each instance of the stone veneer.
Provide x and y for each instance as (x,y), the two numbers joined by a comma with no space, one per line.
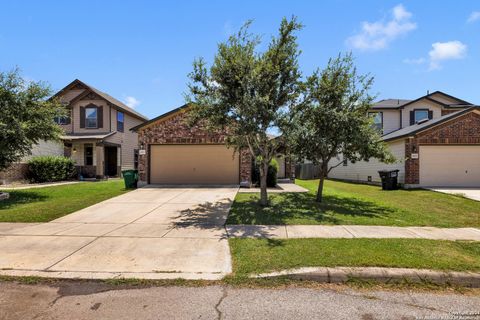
(174,130)
(15,172)
(463,130)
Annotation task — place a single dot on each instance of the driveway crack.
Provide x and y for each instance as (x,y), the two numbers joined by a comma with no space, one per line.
(224,295)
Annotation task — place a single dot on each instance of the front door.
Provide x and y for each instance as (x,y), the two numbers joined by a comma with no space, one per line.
(111,161)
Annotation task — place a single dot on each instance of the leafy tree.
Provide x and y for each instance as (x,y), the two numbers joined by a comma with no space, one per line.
(249,93)
(26,116)
(333,120)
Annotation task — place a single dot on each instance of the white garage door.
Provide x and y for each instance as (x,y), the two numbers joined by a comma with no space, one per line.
(193,164)
(450,166)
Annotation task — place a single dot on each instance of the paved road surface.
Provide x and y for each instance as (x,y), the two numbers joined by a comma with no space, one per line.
(97,301)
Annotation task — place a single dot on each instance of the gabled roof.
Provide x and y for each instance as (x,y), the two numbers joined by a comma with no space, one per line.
(402,103)
(120,105)
(413,129)
(160,117)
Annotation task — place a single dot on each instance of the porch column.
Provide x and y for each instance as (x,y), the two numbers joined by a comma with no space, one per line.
(100,161)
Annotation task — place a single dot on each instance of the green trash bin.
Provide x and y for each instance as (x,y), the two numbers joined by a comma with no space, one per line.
(131,178)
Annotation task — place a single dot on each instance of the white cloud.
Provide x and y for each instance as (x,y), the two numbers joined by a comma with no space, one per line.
(474,16)
(442,51)
(132,102)
(414,61)
(377,35)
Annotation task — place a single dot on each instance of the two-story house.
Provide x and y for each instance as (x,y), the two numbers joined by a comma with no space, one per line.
(435,139)
(97,134)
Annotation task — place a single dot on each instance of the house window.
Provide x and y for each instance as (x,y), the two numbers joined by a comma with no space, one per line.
(120,121)
(135,159)
(89,155)
(377,120)
(91,118)
(421,115)
(61,120)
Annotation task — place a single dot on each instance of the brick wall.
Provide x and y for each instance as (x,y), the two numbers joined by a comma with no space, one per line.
(448,111)
(15,172)
(174,130)
(462,130)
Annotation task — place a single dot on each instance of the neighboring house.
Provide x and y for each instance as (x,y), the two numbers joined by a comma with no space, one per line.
(435,139)
(97,134)
(174,153)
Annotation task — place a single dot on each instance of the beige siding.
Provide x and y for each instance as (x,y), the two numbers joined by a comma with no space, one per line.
(79,155)
(76,116)
(45,148)
(127,139)
(67,96)
(421,104)
(360,171)
(281,166)
(391,120)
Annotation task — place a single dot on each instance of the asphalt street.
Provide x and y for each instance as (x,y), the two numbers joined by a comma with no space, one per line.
(90,300)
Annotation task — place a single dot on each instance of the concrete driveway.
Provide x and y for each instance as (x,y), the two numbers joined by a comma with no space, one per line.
(147,233)
(471,193)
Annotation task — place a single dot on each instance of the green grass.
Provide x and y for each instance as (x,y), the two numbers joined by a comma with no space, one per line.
(49,203)
(266,255)
(349,203)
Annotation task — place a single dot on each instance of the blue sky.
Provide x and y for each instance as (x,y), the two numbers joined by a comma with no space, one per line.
(141,51)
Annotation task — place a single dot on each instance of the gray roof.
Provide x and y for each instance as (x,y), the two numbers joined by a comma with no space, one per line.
(86,136)
(410,130)
(390,103)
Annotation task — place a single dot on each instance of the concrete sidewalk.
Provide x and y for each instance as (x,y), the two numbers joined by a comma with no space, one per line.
(347,231)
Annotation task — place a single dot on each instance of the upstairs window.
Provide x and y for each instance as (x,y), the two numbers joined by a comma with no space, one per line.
(421,115)
(91,117)
(120,121)
(377,120)
(62,120)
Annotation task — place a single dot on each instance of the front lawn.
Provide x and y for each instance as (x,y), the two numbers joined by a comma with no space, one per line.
(357,204)
(49,203)
(267,255)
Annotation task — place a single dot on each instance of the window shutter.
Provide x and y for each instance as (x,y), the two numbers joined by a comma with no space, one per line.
(412,117)
(82,117)
(430,114)
(100,117)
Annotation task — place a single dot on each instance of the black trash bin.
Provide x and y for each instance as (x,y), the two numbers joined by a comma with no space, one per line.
(389,179)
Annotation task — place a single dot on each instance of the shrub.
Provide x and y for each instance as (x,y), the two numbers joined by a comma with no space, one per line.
(50,168)
(273,168)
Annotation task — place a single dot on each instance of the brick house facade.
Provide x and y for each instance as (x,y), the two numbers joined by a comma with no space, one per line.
(464,130)
(173,129)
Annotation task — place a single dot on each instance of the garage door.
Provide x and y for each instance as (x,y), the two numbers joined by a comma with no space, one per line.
(450,166)
(193,164)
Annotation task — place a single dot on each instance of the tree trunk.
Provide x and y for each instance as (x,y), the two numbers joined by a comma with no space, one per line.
(323,175)
(263,184)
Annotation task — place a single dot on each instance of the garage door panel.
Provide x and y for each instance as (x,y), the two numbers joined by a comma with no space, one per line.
(193,164)
(450,166)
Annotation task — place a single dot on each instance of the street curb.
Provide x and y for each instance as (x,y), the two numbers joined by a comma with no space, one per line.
(384,275)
